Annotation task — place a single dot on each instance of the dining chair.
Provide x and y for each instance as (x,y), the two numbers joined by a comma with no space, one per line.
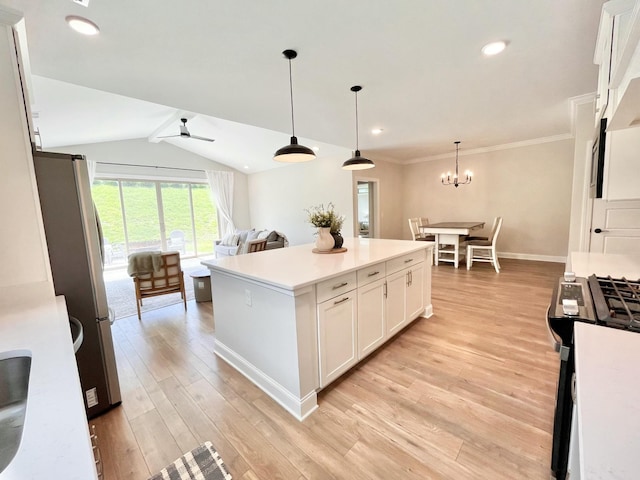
(416,233)
(485,250)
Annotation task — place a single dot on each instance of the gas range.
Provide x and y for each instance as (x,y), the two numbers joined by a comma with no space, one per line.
(602,301)
(605,301)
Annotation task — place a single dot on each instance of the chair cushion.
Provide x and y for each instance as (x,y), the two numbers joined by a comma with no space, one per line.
(470,238)
(479,243)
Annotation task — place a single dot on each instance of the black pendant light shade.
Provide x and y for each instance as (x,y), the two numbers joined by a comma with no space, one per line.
(357,162)
(293,153)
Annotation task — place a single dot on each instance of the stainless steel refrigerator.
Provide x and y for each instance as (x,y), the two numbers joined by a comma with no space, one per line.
(74,241)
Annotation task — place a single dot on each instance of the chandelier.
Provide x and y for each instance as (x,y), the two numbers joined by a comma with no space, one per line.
(455,180)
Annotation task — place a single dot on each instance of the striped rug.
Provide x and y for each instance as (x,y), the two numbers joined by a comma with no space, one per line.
(201,463)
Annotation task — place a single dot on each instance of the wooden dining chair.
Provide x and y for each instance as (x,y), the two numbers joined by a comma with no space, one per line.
(485,250)
(416,233)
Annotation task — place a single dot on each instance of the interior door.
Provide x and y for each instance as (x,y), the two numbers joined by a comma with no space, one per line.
(615,227)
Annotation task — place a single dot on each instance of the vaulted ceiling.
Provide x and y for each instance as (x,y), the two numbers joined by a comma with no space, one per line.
(425,80)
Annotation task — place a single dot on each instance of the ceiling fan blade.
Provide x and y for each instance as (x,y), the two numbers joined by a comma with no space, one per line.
(202,138)
(169,136)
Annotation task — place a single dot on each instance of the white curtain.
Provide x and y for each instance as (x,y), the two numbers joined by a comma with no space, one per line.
(221,185)
(92,171)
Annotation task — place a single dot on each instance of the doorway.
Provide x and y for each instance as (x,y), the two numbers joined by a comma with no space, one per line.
(366,209)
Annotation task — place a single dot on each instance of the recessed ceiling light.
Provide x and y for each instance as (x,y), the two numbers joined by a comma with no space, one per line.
(377,131)
(82,25)
(246,167)
(493,48)
(315,149)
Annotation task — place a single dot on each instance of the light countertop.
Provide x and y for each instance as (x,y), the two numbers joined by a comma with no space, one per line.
(296,267)
(584,264)
(55,440)
(608,402)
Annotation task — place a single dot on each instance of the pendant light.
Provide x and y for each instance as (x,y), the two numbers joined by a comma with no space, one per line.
(357,162)
(446,178)
(293,153)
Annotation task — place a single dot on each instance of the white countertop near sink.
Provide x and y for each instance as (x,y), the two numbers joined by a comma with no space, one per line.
(55,441)
(608,404)
(584,264)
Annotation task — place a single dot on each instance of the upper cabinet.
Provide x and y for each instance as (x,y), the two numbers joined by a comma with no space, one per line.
(25,276)
(618,56)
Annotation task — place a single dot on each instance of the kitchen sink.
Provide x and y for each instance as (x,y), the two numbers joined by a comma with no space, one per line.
(15,368)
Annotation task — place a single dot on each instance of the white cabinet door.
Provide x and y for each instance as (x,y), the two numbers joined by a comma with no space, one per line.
(337,336)
(371,319)
(415,292)
(395,309)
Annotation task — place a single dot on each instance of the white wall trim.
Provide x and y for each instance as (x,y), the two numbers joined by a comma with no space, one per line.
(9,16)
(534,257)
(495,148)
(574,104)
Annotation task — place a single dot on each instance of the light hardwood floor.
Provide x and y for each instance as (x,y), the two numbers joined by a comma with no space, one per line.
(466,394)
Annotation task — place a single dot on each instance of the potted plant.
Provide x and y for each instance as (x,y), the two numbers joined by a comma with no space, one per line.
(328,223)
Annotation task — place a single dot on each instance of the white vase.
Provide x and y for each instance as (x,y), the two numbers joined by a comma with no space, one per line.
(324,240)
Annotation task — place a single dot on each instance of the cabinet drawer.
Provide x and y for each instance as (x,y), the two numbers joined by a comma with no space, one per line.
(371,274)
(335,286)
(405,261)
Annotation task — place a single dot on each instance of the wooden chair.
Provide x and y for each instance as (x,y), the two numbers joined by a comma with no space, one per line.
(485,250)
(256,245)
(169,279)
(416,233)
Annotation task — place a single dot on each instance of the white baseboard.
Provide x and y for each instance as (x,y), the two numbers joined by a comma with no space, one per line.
(529,256)
(300,408)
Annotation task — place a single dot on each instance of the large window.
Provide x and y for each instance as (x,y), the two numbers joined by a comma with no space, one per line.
(139,215)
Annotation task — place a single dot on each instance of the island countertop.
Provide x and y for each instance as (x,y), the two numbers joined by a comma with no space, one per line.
(55,439)
(295,267)
(608,408)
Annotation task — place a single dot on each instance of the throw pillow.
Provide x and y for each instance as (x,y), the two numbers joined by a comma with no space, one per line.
(262,234)
(273,236)
(230,240)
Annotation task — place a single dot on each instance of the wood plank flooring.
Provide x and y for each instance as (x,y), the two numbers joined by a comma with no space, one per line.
(466,394)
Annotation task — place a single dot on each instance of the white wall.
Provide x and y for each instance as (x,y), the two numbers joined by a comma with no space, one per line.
(529,186)
(278,197)
(153,155)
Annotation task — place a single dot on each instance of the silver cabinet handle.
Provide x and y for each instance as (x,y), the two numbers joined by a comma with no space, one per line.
(410,277)
(408,281)
(341,301)
(373,274)
(385,290)
(344,284)
(573,387)
(408,260)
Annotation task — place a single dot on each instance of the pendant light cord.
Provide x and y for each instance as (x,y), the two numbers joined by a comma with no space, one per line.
(293,125)
(357,132)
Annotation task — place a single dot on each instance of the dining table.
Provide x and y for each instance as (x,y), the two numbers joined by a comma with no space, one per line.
(447,239)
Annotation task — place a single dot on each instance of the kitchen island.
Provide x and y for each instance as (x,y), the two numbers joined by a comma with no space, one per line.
(292,321)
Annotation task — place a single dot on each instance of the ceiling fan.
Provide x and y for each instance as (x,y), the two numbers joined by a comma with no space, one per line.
(184,132)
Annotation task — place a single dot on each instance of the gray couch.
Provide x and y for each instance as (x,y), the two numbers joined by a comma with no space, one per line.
(239,243)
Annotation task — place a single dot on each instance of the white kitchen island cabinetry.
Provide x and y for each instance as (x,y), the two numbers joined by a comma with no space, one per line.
(293,321)
(337,329)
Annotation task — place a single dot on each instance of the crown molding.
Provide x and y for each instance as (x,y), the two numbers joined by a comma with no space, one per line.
(495,148)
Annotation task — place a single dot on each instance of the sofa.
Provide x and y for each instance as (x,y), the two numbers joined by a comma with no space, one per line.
(238,243)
